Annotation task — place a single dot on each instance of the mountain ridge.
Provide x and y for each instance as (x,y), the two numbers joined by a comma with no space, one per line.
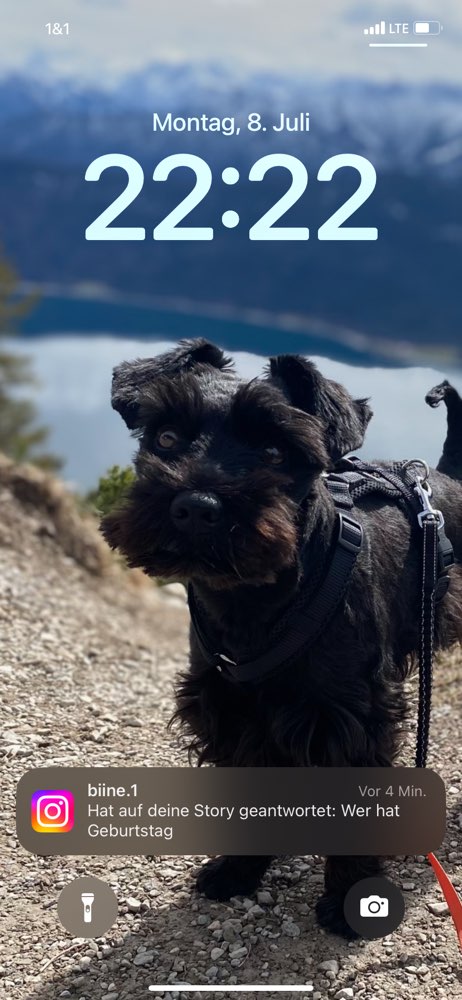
(421,125)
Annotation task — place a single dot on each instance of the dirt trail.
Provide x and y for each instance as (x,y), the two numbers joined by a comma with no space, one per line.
(87,662)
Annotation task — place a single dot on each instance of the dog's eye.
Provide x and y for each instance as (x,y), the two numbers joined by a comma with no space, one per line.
(167,438)
(273,455)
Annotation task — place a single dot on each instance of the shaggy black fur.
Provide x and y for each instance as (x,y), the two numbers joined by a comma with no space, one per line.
(229,491)
(451,460)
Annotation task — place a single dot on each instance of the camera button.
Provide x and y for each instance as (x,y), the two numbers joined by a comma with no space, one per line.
(374,907)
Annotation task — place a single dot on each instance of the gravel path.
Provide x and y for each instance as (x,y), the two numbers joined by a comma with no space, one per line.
(87,662)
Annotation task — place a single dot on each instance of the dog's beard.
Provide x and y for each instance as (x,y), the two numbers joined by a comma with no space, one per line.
(257,539)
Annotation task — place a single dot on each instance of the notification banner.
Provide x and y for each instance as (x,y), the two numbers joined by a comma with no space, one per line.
(250,810)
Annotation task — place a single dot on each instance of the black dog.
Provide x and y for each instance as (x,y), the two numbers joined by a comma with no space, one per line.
(230,497)
(451,460)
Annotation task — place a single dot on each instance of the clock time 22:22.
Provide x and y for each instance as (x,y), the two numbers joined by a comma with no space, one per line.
(264,228)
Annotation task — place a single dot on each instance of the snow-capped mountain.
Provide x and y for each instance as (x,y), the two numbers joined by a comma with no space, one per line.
(404,286)
(403,126)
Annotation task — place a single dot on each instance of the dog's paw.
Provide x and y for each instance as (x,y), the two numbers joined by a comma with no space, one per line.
(329,911)
(222,878)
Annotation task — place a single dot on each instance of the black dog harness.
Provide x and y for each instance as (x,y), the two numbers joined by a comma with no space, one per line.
(311,612)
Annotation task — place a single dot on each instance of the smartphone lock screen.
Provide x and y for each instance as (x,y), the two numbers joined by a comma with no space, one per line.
(230,499)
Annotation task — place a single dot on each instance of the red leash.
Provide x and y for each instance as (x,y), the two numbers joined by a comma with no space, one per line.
(451,896)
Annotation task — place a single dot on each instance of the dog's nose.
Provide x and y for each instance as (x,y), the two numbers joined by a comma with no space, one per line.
(199,512)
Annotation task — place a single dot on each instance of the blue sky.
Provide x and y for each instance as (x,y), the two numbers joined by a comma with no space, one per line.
(109,38)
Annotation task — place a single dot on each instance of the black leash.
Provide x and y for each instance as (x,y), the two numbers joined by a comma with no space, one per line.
(437,558)
(427,631)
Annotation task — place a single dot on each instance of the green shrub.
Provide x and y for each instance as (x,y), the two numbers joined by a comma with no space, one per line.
(21,438)
(111,489)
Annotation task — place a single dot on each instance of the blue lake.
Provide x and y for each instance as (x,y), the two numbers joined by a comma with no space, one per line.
(73,398)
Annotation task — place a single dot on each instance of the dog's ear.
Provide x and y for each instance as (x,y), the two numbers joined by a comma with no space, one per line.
(131,377)
(345,418)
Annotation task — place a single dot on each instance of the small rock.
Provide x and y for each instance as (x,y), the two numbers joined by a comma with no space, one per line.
(255,911)
(212,972)
(110,996)
(84,963)
(239,952)
(264,897)
(408,886)
(133,904)
(290,929)
(231,929)
(216,953)
(331,965)
(176,590)
(345,993)
(143,958)
(438,909)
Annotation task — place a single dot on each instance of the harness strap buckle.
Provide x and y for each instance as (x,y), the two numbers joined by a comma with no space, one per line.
(424,493)
(350,533)
(339,490)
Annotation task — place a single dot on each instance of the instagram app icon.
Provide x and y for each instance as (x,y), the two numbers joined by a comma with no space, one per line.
(52,811)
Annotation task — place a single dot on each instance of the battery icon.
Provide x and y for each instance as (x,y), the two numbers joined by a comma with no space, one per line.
(427,27)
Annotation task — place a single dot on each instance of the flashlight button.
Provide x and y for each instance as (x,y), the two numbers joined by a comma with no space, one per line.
(87,907)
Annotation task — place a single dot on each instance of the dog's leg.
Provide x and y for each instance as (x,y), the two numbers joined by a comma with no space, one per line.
(232,875)
(340,874)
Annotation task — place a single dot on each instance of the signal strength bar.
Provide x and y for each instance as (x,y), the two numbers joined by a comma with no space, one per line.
(375,29)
